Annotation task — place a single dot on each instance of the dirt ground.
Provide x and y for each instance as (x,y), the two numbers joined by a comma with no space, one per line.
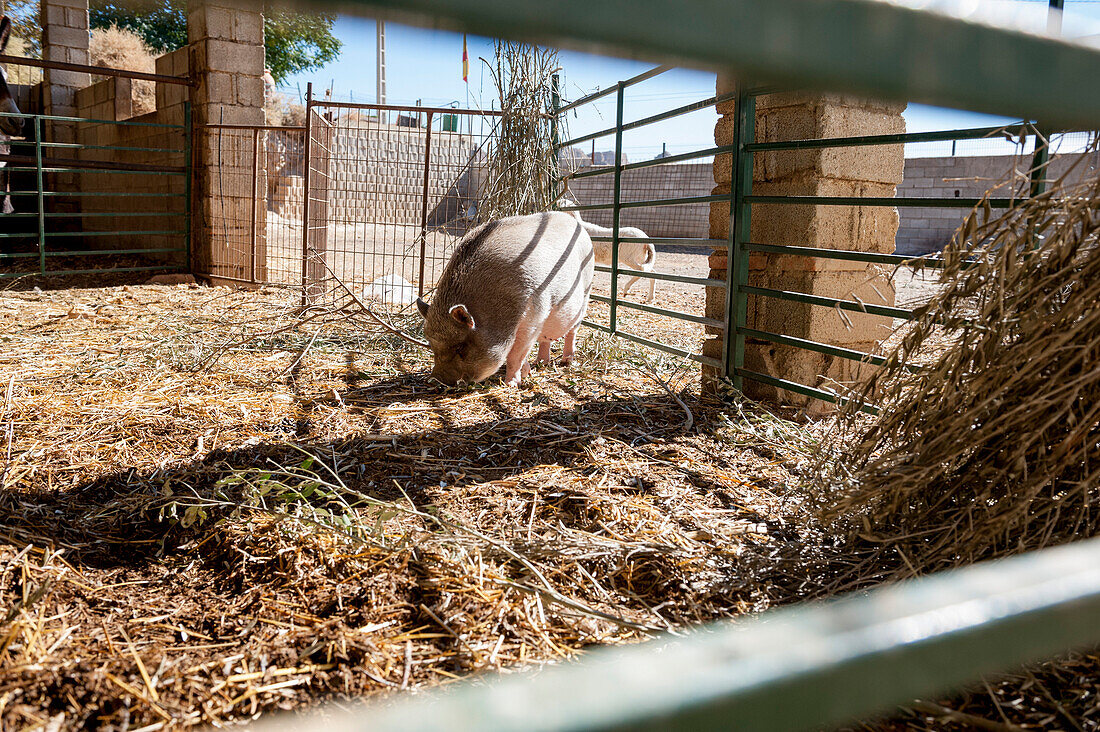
(212,508)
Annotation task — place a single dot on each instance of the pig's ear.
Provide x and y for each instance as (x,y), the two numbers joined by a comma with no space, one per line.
(462,316)
(422,307)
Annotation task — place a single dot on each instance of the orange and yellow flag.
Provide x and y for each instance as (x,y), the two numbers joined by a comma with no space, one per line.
(465,60)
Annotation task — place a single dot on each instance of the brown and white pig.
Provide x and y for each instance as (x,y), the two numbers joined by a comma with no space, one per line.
(510,283)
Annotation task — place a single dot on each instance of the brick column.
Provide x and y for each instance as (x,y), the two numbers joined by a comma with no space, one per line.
(226,40)
(861,171)
(64,38)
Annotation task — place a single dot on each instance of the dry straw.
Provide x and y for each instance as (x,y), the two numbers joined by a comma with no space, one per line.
(521,163)
(992,447)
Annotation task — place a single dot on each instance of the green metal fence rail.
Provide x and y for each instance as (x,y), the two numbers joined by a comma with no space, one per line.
(741,245)
(803,667)
(617,205)
(741,200)
(83,191)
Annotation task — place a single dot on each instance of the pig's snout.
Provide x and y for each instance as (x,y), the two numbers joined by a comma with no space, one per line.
(448,379)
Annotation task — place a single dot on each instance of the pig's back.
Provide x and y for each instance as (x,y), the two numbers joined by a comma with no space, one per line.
(513,259)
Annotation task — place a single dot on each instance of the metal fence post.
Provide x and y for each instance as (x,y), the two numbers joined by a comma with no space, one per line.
(616,209)
(255,211)
(41,196)
(306,196)
(189,165)
(1038,184)
(424,206)
(737,259)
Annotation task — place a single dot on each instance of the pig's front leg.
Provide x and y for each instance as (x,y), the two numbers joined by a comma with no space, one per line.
(516,366)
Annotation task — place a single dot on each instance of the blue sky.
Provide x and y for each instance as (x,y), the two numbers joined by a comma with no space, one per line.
(426,65)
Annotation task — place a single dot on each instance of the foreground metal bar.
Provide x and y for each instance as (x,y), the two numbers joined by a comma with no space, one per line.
(97,70)
(648,74)
(859,46)
(795,668)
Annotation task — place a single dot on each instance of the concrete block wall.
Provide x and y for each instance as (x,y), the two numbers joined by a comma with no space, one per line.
(112,99)
(376,174)
(673,180)
(65,37)
(926,230)
(226,47)
(817,173)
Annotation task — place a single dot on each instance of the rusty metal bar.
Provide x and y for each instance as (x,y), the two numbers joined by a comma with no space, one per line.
(227,126)
(96,70)
(306,197)
(424,204)
(31,160)
(407,108)
(255,211)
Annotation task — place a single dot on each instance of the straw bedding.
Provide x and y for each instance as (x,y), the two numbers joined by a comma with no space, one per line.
(990,448)
(201,520)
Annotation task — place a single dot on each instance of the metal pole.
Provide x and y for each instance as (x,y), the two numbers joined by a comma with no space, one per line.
(380,91)
(189,163)
(305,198)
(616,208)
(1054,17)
(255,211)
(41,196)
(424,206)
(737,258)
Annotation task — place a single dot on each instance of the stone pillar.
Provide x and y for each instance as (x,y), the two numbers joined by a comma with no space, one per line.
(226,41)
(64,38)
(860,171)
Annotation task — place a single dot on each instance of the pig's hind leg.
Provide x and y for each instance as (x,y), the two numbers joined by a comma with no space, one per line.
(567,348)
(544,351)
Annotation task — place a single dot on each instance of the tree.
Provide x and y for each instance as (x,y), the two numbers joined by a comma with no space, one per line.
(25,25)
(293,41)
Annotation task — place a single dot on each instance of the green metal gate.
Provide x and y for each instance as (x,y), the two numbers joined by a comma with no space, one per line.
(96,196)
(733,326)
(638,197)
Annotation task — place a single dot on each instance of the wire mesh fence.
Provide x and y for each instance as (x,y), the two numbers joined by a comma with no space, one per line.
(398,187)
(369,197)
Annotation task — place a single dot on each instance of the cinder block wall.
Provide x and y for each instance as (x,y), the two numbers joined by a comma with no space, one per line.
(377,174)
(65,37)
(112,99)
(926,230)
(674,180)
(226,44)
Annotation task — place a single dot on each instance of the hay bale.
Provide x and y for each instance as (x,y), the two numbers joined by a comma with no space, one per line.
(993,447)
(119,48)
